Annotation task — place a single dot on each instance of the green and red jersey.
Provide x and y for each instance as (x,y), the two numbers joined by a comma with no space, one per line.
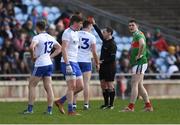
(135,48)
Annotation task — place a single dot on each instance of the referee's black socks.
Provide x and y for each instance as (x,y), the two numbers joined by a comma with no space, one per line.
(106,97)
(111,95)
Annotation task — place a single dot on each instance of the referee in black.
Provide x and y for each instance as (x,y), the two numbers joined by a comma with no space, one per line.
(107,65)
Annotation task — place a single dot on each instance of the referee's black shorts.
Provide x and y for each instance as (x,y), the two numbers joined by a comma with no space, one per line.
(107,72)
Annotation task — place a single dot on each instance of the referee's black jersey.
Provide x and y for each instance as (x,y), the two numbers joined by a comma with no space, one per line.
(108,50)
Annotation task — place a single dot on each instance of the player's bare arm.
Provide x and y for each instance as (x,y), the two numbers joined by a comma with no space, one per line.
(95,56)
(57,50)
(141,48)
(64,51)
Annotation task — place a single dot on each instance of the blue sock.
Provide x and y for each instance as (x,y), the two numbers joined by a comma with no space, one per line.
(49,109)
(70,108)
(63,99)
(30,108)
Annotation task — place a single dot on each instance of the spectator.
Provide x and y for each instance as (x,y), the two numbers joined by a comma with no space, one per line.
(177,54)
(20,41)
(151,69)
(65,15)
(151,49)
(78,13)
(45,16)
(8,31)
(15,39)
(60,26)
(33,17)
(124,62)
(52,30)
(28,27)
(16,28)
(149,39)
(159,41)
(5,64)
(23,67)
(171,60)
(122,86)
(10,9)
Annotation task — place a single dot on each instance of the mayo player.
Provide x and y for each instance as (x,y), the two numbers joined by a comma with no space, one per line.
(86,49)
(69,65)
(138,60)
(41,47)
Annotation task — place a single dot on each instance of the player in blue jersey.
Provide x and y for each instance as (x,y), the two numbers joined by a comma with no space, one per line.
(69,65)
(41,47)
(87,50)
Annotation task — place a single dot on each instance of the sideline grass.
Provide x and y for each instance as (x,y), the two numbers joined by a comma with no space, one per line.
(166,112)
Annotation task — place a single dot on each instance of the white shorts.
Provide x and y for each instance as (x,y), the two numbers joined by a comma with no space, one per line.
(139,69)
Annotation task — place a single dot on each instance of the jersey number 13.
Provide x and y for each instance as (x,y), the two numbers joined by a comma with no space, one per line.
(48,46)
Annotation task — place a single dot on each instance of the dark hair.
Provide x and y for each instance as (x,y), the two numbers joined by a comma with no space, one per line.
(41,25)
(75,18)
(132,21)
(109,30)
(77,13)
(86,24)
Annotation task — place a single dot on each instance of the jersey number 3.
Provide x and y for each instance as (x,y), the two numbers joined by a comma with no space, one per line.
(85,43)
(48,47)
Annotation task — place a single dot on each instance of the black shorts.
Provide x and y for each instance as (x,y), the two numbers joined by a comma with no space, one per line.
(107,72)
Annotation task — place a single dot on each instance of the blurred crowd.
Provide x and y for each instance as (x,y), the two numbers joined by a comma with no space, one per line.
(15,38)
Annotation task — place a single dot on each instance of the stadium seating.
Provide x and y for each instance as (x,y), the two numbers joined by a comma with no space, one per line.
(52,12)
(159,12)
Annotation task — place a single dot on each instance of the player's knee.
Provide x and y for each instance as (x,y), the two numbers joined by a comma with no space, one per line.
(103,86)
(134,82)
(111,86)
(111,90)
(71,87)
(80,87)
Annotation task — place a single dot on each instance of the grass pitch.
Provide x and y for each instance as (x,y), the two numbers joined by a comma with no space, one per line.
(166,111)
